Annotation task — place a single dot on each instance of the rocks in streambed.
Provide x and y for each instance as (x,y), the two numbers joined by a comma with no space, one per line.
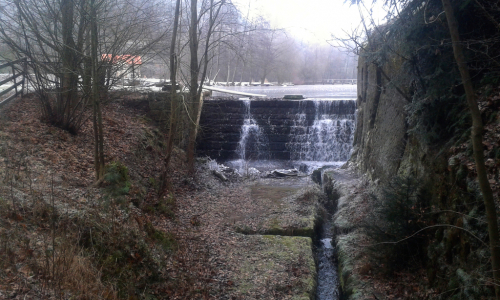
(219,175)
(282,173)
(272,267)
(283,210)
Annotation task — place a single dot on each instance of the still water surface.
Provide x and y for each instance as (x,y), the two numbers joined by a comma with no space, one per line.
(339,91)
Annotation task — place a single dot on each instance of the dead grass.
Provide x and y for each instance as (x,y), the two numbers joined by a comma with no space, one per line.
(61,237)
(140,246)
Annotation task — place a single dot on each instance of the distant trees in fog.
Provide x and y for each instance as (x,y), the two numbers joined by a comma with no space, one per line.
(260,52)
(78,49)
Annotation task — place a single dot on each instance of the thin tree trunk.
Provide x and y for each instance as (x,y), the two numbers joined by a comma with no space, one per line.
(234,75)
(172,128)
(87,69)
(98,130)
(477,143)
(193,87)
(69,79)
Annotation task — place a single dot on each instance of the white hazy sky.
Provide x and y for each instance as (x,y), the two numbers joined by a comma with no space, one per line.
(309,20)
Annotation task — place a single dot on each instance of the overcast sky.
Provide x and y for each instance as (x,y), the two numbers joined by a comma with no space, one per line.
(309,20)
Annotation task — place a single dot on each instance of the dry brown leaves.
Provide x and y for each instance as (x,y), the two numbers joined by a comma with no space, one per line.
(53,163)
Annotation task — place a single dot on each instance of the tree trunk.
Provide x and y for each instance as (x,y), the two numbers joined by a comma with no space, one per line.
(193,87)
(195,91)
(87,69)
(477,143)
(97,118)
(69,77)
(172,128)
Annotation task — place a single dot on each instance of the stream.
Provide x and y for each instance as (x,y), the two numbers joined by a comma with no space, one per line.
(328,287)
(328,282)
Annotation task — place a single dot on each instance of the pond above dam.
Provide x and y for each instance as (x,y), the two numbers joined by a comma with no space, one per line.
(325,92)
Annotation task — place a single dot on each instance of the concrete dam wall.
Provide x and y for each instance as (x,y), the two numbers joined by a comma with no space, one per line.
(276,129)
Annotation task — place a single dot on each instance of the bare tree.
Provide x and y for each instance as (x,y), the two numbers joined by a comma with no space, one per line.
(65,40)
(207,16)
(96,101)
(174,98)
(45,33)
(268,49)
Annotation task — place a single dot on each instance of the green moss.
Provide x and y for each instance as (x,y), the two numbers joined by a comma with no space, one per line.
(462,173)
(117,183)
(453,283)
(280,254)
(165,239)
(116,173)
(167,206)
(275,224)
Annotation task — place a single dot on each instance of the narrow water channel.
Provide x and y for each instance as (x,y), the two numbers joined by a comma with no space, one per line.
(328,283)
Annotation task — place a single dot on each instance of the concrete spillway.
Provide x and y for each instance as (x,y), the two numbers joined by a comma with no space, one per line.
(305,130)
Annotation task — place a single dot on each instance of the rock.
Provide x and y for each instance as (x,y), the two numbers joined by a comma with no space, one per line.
(316,176)
(287,211)
(219,175)
(282,173)
(293,97)
(267,264)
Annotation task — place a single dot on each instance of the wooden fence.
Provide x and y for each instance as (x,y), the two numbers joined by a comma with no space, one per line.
(19,69)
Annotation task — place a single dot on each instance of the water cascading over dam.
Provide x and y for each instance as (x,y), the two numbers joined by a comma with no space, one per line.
(305,134)
(276,129)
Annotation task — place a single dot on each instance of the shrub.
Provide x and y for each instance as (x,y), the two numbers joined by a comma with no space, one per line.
(117,183)
(167,205)
(399,214)
(116,176)
(126,259)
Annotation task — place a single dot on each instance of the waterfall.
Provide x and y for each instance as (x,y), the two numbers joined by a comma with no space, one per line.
(253,143)
(299,143)
(308,133)
(327,138)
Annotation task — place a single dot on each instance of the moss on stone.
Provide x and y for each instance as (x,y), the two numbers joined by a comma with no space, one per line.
(288,211)
(271,261)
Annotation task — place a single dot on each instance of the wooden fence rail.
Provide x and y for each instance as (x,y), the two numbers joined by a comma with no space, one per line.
(19,69)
